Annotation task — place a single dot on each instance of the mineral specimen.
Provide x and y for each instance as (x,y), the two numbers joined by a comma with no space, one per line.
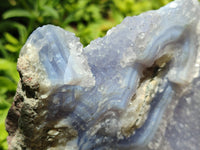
(111,94)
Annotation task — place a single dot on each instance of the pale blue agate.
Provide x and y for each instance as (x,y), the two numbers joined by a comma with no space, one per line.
(116,63)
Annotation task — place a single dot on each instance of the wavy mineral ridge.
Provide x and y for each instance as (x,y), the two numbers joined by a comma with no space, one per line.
(135,88)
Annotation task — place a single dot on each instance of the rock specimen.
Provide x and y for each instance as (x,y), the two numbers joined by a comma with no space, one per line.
(111,94)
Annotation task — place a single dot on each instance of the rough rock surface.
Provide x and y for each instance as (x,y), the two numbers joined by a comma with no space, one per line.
(135,88)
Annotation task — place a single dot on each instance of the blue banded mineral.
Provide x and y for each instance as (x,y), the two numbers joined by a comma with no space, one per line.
(112,93)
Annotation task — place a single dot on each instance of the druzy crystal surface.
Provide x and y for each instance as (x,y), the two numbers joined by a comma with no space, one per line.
(113,93)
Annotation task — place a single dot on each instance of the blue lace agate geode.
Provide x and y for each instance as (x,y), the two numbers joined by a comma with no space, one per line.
(112,93)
